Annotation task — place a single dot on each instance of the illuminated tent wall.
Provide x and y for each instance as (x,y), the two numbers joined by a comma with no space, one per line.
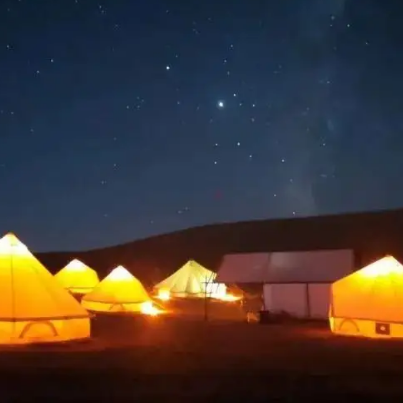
(369,302)
(120,291)
(77,277)
(34,306)
(192,280)
(294,283)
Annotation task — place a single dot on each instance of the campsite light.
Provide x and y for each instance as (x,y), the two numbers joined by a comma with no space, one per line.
(147,308)
(215,290)
(164,295)
(229,298)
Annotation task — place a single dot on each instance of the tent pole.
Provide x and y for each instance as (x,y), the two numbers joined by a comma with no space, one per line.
(308,301)
(205,307)
(205,302)
(208,281)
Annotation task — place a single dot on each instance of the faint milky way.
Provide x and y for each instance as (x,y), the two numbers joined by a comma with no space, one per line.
(124,119)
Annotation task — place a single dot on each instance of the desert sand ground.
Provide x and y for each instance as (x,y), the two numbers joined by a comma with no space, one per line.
(184,358)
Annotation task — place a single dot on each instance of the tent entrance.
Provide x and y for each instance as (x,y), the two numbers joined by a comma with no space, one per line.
(117,308)
(38,330)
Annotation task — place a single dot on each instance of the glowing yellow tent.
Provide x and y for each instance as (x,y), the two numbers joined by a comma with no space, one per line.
(192,280)
(120,291)
(77,277)
(34,307)
(369,302)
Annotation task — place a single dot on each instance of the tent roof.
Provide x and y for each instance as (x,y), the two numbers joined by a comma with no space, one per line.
(76,265)
(28,289)
(383,268)
(76,274)
(189,279)
(119,286)
(286,267)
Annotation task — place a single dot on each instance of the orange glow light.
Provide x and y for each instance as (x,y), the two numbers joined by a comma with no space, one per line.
(147,308)
(229,298)
(164,295)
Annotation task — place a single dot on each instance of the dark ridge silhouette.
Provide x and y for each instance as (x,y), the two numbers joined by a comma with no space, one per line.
(371,236)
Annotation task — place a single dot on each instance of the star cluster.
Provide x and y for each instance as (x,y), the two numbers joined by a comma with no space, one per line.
(123,119)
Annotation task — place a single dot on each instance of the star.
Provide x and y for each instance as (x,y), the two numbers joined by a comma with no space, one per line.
(220,104)
(168,67)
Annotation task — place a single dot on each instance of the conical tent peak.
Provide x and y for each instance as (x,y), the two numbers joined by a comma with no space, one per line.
(383,267)
(120,273)
(76,264)
(11,239)
(11,245)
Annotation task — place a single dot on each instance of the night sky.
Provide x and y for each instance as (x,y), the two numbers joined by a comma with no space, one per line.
(123,119)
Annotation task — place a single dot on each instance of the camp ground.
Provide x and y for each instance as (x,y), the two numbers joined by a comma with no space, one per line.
(316,313)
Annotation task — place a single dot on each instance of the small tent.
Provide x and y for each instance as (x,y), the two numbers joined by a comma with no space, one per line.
(77,277)
(369,301)
(34,306)
(119,291)
(192,280)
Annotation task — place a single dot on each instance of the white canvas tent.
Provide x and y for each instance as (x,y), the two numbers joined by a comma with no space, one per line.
(296,283)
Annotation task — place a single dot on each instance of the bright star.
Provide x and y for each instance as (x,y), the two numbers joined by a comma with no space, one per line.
(220,104)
